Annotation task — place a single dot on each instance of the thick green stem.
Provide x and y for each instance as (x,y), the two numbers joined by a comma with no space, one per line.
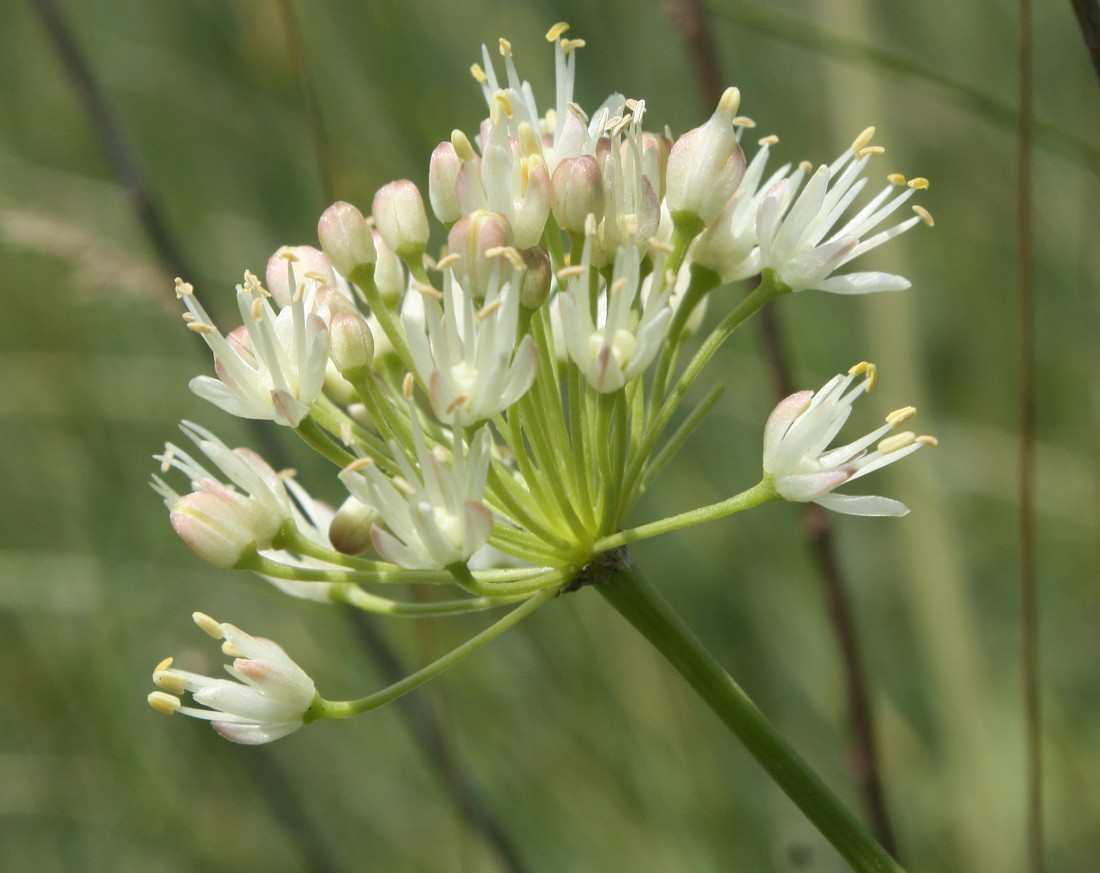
(635,598)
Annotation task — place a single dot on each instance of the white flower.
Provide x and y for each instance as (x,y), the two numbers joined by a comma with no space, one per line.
(616,350)
(799,431)
(216,520)
(267,701)
(469,358)
(433,514)
(273,367)
(802,247)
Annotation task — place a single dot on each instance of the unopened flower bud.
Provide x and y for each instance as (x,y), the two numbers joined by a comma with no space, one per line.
(706,165)
(345,237)
(472,236)
(535,285)
(442,178)
(577,192)
(299,262)
(389,273)
(351,342)
(350,529)
(398,211)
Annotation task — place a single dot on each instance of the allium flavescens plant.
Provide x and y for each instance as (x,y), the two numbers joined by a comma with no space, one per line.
(495,409)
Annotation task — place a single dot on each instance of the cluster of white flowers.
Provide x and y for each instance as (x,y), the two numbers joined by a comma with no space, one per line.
(508,393)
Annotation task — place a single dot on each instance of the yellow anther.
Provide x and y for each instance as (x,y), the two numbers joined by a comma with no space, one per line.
(407,385)
(490,308)
(402,485)
(448,261)
(188,316)
(462,146)
(505,47)
(502,99)
(899,416)
(870,150)
(456,403)
(925,215)
(578,112)
(769,140)
(166,461)
(478,74)
(731,100)
(617,285)
(163,665)
(743,121)
(896,179)
(287,473)
(863,140)
(286,256)
(870,369)
(169,680)
(425,290)
(258,309)
(660,245)
(571,45)
(529,141)
(347,435)
(806,167)
(357,465)
(207,625)
(556,31)
(231,651)
(509,253)
(919,184)
(590,225)
(896,442)
(926,440)
(163,703)
(574,272)
(183,289)
(200,327)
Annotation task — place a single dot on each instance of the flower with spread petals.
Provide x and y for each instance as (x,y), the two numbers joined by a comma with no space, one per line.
(223,522)
(469,358)
(273,367)
(266,699)
(613,351)
(800,244)
(433,513)
(803,469)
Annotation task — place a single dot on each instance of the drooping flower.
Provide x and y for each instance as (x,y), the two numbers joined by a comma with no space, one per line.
(222,522)
(797,237)
(612,350)
(267,700)
(433,514)
(802,467)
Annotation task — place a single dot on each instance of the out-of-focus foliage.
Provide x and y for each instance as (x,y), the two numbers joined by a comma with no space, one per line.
(588,751)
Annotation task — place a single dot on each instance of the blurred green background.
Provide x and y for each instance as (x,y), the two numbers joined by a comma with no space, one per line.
(584,748)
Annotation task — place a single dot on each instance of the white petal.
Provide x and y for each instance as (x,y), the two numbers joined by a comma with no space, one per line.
(863,505)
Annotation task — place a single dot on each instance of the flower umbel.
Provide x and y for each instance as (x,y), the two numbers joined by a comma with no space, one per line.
(801,427)
(267,700)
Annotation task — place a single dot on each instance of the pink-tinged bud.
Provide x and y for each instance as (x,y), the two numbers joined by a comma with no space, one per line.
(330,302)
(350,529)
(301,262)
(472,236)
(577,192)
(389,273)
(535,285)
(345,237)
(655,151)
(217,525)
(442,178)
(351,342)
(398,211)
(706,165)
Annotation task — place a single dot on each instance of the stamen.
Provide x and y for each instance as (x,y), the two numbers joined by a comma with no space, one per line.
(501,99)
(456,403)
(919,183)
(529,141)
(510,253)
(863,140)
(163,703)
(426,290)
(490,308)
(898,416)
(357,465)
(478,74)
(896,179)
(571,45)
(870,150)
(556,31)
(743,121)
(183,289)
(258,309)
(574,272)
(231,650)
(617,285)
(870,369)
(505,47)
(347,436)
(188,316)
(590,225)
(462,146)
(660,245)
(896,442)
(163,665)
(806,167)
(925,215)
(407,386)
(577,111)
(926,440)
(200,327)
(448,261)
(769,140)
(207,625)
